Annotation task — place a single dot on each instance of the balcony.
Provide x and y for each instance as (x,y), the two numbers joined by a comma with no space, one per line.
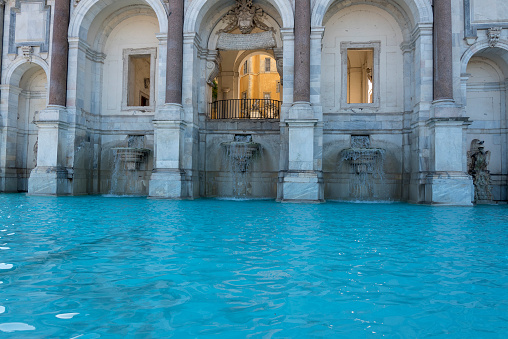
(244,109)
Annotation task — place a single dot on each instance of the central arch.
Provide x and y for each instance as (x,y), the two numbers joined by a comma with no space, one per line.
(198,9)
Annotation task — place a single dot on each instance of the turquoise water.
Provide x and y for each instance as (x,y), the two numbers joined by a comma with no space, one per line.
(98,267)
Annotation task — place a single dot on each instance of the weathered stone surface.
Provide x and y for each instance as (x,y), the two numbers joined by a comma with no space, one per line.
(263,40)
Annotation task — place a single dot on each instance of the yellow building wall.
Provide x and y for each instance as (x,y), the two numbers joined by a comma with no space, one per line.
(256,81)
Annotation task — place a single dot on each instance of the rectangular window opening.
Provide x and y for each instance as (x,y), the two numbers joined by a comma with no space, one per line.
(138,82)
(267,65)
(360,80)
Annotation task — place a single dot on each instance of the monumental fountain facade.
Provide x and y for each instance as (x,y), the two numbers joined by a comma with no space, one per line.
(258,99)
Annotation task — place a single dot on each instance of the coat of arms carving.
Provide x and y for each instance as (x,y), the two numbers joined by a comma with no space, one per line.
(245,16)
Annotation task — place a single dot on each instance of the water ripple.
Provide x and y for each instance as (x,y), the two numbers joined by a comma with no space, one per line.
(137,267)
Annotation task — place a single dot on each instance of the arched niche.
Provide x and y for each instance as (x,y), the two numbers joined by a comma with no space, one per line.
(97,76)
(486,97)
(369,28)
(27,94)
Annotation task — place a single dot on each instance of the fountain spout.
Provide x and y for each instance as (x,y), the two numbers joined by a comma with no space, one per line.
(241,151)
(365,164)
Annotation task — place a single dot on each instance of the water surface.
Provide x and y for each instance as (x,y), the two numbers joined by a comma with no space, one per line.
(105,267)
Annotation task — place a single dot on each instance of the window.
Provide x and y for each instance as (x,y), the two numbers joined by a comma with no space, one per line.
(359,76)
(139,72)
(246,67)
(267,64)
(277,87)
(137,88)
(360,69)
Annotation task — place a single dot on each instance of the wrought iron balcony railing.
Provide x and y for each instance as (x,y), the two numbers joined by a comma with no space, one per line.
(244,109)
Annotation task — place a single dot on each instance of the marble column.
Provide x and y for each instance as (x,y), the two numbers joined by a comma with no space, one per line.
(169,179)
(303,179)
(174,61)
(447,182)
(53,175)
(443,63)
(59,54)
(302,51)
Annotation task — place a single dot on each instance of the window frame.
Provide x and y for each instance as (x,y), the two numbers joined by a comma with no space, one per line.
(246,67)
(268,64)
(127,53)
(376,98)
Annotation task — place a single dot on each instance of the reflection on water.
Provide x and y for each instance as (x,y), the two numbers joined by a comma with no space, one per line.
(109,267)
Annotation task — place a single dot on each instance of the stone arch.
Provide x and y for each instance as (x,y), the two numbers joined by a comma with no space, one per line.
(247,54)
(115,19)
(242,57)
(17,69)
(478,47)
(418,11)
(87,10)
(198,9)
(393,9)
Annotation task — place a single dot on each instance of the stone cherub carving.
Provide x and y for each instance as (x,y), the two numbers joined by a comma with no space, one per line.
(245,16)
(477,161)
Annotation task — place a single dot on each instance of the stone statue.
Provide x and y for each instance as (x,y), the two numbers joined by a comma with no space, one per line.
(477,161)
(245,17)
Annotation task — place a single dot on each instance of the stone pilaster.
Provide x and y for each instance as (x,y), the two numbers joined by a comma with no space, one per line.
(53,176)
(447,182)
(168,178)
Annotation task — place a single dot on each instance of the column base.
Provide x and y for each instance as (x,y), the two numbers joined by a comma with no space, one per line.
(50,181)
(169,184)
(449,188)
(302,186)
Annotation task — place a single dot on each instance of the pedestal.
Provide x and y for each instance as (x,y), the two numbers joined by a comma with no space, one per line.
(448,183)
(449,188)
(51,176)
(301,182)
(168,178)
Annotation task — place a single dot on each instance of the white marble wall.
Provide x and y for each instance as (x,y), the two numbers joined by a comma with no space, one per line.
(95,120)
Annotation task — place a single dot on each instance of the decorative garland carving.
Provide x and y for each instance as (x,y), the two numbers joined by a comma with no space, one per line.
(246,17)
(27,52)
(493,34)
